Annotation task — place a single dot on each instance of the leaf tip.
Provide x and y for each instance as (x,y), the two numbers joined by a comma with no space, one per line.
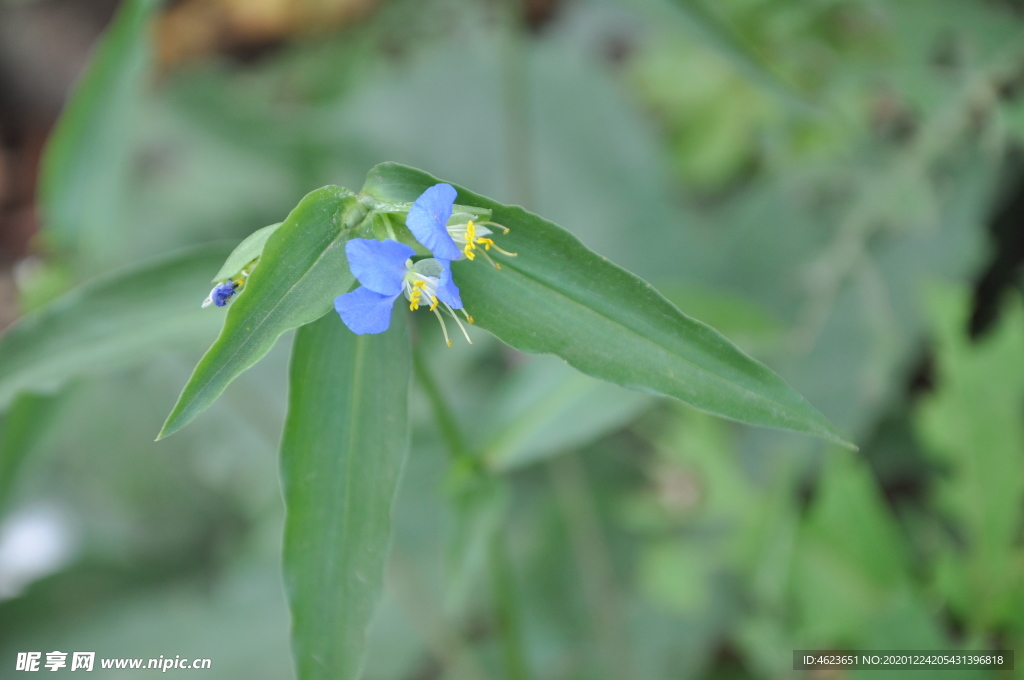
(171,425)
(833,437)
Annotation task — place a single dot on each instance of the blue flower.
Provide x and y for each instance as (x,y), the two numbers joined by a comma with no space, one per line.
(385,270)
(220,294)
(429,218)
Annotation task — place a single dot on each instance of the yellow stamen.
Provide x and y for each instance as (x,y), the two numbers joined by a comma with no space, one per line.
(416,295)
(470,240)
(459,323)
(433,299)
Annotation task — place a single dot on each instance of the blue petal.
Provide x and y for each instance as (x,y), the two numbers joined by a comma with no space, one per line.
(378,265)
(447,291)
(365,311)
(428,220)
(222,292)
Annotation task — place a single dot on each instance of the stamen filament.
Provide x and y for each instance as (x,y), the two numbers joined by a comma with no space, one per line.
(444,329)
(502,250)
(495,224)
(461,327)
(488,258)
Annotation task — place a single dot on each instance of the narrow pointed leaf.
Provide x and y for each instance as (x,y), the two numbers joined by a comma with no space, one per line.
(558,297)
(344,442)
(111,322)
(301,269)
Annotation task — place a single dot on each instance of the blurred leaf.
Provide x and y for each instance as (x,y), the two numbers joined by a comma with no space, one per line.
(851,561)
(344,442)
(742,320)
(546,408)
(42,282)
(235,616)
(869,319)
(972,424)
(701,475)
(302,269)
(27,419)
(705,27)
(558,297)
(247,251)
(676,575)
(1013,113)
(109,322)
(86,160)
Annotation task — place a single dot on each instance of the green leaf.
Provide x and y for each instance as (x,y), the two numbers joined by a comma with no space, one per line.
(344,442)
(25,422)
(110,322)
(558,297)
(86,163)
(971,426)
(302,269)
(851,564)
(247,251)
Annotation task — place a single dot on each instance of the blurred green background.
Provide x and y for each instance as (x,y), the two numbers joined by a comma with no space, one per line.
(838,186)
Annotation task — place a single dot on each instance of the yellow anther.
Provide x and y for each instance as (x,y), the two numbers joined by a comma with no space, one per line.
(470,240)
(416,295)
(487,243)
(433,306)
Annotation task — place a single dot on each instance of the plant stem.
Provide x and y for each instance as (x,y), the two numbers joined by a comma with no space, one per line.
(450,431)
(593,561)
(507,611)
